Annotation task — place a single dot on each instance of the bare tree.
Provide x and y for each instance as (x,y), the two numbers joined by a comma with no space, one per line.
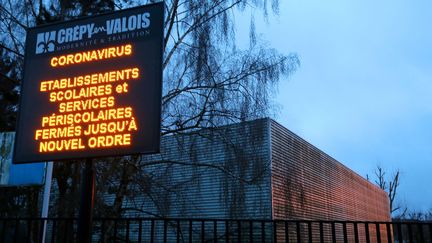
(419,215)
(208,82)
(390,185)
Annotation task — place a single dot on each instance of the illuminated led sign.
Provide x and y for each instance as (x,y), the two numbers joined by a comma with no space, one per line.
(92,87)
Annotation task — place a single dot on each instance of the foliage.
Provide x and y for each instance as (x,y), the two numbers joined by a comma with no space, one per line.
(19,201)
(8,91)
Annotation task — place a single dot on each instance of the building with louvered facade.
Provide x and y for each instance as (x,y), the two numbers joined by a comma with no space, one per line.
(255,170)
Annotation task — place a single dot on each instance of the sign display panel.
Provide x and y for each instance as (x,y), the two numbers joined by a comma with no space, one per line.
(92,87)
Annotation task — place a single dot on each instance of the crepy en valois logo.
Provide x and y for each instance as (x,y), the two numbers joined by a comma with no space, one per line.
(45,42)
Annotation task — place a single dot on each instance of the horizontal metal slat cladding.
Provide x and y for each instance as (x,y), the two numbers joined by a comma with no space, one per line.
(215,173)
(250,170)
(309,184)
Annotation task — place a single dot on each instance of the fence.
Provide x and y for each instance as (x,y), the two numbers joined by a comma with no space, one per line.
(214,230)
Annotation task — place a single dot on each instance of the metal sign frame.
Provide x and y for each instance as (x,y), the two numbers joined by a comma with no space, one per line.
(60,60)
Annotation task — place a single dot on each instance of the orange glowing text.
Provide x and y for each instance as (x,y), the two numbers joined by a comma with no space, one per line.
(86,114)
(90,56)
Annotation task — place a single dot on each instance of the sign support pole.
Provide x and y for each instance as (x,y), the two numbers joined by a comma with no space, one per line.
(85,220)
(46,197)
